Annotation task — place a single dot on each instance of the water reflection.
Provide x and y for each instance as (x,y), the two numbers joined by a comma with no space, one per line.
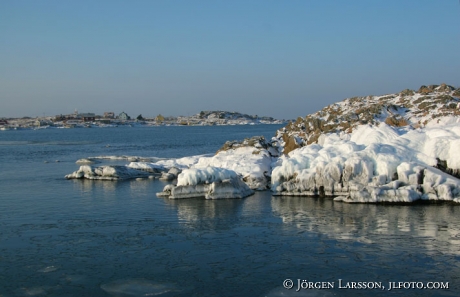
(435,227)
(209,214)
(90,186)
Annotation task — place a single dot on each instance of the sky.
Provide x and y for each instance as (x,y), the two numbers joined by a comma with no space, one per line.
(269,58)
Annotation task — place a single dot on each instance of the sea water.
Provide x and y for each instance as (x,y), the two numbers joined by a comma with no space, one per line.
(63,237)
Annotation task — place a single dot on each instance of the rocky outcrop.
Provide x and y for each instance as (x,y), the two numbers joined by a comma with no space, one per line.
(257,142)
(107,173)
(408,108)
(171,174)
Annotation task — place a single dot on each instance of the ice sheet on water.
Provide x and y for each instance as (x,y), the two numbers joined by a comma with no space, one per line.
(48,269)
(139,287)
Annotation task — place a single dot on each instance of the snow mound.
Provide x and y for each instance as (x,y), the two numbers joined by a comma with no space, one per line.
(254,165)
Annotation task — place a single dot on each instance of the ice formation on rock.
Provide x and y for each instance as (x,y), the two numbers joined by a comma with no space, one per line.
(373,164)
(106,173)
(209,182)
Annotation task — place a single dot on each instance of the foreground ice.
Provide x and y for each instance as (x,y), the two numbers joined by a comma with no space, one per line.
(374,164)
(138,287)
(209,182)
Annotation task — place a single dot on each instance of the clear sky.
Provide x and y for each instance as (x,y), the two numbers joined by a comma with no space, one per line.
(276,58)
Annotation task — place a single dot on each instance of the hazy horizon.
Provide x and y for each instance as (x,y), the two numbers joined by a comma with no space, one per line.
(282,59)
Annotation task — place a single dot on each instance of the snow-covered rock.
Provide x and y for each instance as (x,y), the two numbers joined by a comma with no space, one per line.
(252,164)
(171,174)
(429,106)
(86,161)
(373,164)
(209,182)
(106,173)
(251,158)
(145,166)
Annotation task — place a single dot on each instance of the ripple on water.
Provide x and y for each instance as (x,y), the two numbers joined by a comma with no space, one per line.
(138,287)
(48,269)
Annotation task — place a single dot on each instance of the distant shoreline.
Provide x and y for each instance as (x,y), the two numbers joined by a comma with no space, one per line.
(204,118)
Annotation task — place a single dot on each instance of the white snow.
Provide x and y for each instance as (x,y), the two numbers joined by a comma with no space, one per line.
(253,164)
(361,167)
(181,163)
(149,167)
(106,173)
(192,177)
(209,182)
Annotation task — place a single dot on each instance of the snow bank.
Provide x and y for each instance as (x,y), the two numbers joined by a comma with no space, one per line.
(374,164)
(210,182)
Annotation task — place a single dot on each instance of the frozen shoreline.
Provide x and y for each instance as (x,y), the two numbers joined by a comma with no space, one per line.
(371,165)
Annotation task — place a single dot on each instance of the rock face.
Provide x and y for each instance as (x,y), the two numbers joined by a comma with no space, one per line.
(171,174)
(211,183)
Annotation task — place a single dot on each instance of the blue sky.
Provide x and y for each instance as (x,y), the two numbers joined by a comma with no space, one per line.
(276,58)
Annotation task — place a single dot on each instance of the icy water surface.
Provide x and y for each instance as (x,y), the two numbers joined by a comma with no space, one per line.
(98,238)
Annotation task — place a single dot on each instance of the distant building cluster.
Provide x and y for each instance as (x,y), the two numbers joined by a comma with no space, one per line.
(89,117)
(109,118)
